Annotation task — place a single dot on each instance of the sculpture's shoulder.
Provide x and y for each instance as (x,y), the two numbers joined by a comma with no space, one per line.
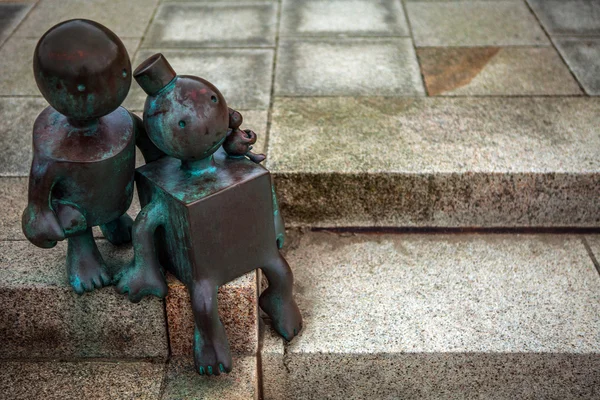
(55,138)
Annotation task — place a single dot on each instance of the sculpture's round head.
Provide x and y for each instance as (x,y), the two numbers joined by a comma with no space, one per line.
(185,116)
(82,69)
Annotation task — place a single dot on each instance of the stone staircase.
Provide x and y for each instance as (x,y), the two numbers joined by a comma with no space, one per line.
(444,240)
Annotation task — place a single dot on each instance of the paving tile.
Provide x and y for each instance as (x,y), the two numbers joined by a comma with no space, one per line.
(568,17)
(583,57)
(213,25)
(347,67)
(183,383)
(18,116)
(126,18)
(11,14)
(343,17)
(495,71)
(440,316)
(13,197)
(16,64)
(41,317)
(21,380)
(436,161)
(501,23)
(242,75)
(238,309)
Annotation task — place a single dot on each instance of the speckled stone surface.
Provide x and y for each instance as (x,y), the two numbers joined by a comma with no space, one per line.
(568,17)
(473,23)
(18,116)
(436,161)
(13,197)
(238,309)
(213,25)
(343,17)
(126,18)
(183,383)
(439,316)
(41,317)
(347,67)
(80,380)
(474,71)
(11,15)
(242,75)
(583,57)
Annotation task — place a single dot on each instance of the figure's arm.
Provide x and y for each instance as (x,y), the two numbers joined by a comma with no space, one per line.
(279,224)
(39,222)
(143,142)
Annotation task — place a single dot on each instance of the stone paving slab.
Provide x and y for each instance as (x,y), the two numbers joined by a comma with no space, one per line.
(11,14)
(583,57)
(506,71)
(13,196)
(183,383)
(499,23)
(16,64)
(343,17)
(41,317)
(238,309)
(213,25)
(21,380)
(436,161)
(126,18)
(18,116)
(568,17)
(347,67)
(242,75)
(439,316)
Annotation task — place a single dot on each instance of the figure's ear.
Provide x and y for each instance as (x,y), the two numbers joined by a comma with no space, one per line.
(154,73)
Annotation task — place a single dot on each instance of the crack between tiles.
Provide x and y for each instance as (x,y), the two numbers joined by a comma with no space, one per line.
(591,254)
(272,91)
(531,10)
(414,45)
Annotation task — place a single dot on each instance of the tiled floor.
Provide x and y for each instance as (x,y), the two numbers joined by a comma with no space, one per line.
(373,113)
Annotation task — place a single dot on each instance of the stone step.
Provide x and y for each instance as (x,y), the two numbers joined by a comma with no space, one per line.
(41,317)
(175,380)
(437,162)
(389,316)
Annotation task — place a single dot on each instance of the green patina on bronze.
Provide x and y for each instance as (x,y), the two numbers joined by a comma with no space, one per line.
(209,214)
(83,147)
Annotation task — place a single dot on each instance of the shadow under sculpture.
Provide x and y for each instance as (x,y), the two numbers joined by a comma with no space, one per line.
(82,173)
(209,210)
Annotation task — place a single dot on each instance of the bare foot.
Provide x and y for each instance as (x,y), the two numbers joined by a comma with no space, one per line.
(211,355)
(85,266)
(285,315)
(139,281)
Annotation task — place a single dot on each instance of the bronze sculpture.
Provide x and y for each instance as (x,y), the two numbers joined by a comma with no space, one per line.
(83,147)
(209,212)
(208,216)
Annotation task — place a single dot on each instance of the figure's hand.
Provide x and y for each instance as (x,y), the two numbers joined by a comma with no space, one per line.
(41,227)
(71,220)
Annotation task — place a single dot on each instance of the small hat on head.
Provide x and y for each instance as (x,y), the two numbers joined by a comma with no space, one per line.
(154,74)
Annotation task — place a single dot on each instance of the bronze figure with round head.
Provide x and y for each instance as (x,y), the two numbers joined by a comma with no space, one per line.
(208,216)
(83,147)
